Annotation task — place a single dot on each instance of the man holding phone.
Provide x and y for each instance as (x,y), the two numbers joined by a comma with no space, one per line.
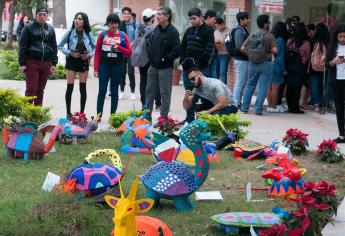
(215,96)
(37,55)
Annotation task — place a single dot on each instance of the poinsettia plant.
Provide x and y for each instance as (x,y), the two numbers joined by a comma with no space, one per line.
(315,207)
(167,125)
(296,141)
(79,118)
(329,152)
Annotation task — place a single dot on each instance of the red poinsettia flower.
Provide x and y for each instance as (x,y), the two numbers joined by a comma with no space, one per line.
(322,188)
(78,117)
(275,230)
(326,145)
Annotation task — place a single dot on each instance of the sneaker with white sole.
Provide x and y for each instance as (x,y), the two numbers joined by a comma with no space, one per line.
(121,96)
(282,107)
(133,97)
(275,110)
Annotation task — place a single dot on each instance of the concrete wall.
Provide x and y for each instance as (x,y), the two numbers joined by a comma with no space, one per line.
(96,10)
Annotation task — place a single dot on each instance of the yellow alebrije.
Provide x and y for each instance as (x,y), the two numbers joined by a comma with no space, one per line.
(110,153)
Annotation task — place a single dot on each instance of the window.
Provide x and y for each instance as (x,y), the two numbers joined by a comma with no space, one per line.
(117,6)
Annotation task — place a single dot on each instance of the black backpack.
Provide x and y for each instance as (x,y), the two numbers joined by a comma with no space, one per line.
(230,44)
(293,54)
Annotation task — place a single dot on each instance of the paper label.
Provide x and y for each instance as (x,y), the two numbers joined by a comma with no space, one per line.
(50,182)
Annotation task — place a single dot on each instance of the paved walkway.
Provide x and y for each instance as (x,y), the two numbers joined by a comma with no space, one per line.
(264,129)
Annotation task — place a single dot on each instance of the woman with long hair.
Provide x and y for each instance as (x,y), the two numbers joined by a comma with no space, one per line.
(23,21)
(335,63)
(317,65)
(280,33)
(298,54)
(80,49)
(112,47)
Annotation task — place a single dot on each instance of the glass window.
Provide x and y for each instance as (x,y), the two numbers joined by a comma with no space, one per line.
(180,9)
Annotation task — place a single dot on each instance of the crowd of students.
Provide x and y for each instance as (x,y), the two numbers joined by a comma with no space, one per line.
(272,63)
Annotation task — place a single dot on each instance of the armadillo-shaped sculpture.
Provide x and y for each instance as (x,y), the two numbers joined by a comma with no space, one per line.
(173,180)
(76,132)
(25,140)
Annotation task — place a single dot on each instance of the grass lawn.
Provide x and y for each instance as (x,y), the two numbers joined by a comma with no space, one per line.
(27,210)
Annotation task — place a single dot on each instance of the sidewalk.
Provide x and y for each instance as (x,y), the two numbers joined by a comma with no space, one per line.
(264,129)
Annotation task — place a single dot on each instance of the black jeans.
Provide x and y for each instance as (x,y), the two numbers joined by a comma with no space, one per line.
(143,82)
(128,67)
(294,82)
(206,105)
(339,97)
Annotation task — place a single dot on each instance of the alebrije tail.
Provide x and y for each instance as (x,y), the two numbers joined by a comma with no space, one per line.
(52,138)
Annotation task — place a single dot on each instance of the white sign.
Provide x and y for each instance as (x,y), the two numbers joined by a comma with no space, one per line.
(50,182)
(284,150)
(214,195)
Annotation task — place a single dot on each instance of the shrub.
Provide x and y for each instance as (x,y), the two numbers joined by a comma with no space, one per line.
(117,119)
(16,105)
(59,73)
(230,122)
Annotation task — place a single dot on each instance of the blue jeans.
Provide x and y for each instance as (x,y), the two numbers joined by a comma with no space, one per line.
(316,79)
(241,80)
(222,62)
(115,73)
(212,70)
(258,74)
(188,86)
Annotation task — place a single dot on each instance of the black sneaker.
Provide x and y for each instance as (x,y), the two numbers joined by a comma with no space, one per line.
(339,140)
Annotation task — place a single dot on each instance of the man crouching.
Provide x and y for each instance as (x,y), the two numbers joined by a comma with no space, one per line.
(214,95)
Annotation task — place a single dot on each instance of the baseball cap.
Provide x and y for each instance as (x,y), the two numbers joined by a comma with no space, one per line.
(210,13)
(41,9)
(219,20)
(147,13)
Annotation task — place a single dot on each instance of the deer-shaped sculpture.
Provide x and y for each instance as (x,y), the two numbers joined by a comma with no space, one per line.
(125,219)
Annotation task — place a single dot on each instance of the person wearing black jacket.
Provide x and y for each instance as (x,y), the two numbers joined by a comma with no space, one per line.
(335,63)
(163,47)
(37,55)
(198,44)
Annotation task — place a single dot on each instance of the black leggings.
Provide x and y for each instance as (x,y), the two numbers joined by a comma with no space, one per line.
(339,97)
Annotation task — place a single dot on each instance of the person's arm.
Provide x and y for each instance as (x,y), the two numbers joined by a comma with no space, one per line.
(92,44)
(23,46)
(188,99)
(305,52)
(127,51)
(61,45)
(176,47)
(183,48)
(244,46)
(221,103)
(204,58)
(279,60)
(97,57)
(273,44)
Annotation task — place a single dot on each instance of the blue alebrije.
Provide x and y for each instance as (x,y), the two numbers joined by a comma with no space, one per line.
(169,178)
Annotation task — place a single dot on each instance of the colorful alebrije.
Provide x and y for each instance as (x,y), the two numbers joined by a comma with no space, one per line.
(231,221)
(95,178)
(173,180)
(285,187)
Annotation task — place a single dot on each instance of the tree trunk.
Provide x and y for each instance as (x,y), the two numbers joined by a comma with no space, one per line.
(29,13)
(10,25)
(2,6)
(59,13)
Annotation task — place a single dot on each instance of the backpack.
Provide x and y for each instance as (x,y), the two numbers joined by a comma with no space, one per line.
(256,49)
(230,43)
(318,58)
(139,53)
(293,54)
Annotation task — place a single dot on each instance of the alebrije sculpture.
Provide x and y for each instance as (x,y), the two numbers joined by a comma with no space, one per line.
(96,178)
(135,135)
(173,180)
(24,141)
(76,132)
(231,222)
(125,220)
(287,179)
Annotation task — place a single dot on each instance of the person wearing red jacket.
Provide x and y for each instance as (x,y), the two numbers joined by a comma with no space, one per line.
(111,49)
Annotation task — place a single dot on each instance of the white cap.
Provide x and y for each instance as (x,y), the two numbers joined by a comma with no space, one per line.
(148,12)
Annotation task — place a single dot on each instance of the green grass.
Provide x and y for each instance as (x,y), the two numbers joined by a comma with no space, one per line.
(27,210)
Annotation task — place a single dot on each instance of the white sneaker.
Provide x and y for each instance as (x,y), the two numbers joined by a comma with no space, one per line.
(133,97)
(121,96)
(272,109)
(282,108)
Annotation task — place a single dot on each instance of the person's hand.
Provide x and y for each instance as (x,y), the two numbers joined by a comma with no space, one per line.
(52,69)
(22,69)
(188,94)
(338,60)
(95,73)
(85,56)
(74,54)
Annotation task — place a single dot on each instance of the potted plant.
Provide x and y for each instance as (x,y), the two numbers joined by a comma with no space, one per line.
(329,152)
(177,72)
(296,141)
(167,126)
